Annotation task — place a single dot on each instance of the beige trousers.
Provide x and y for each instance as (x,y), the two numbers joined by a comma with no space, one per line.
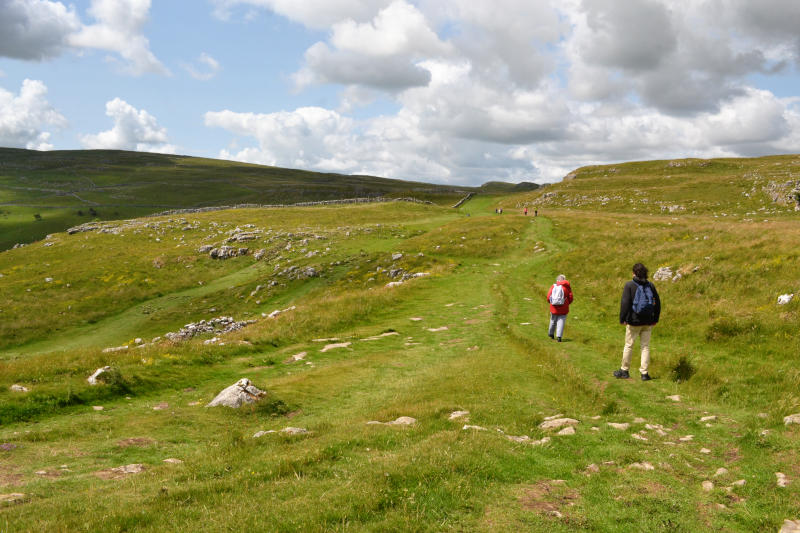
(631,333)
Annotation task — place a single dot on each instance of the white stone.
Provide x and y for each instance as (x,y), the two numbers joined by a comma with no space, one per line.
(394,284)
(294,431)
(98,407)
(19,388)
(710,418)
(642,466)
(382,335)
(784,299)
(687,438)
(397,257)
(639,420)
(335,346)
(172,461)
(708,486)
(434,330)
(415,319)
(721,471)
(674,397)
(457,414)
(240,393)
(260,434)
(638,436)
(476,428)
(790,526)
(781,479)
(553,417)
(621,426)
(400,421)
(792,419)
(558,423)
(705,450)
(569,430)
(740,483)
(97,373)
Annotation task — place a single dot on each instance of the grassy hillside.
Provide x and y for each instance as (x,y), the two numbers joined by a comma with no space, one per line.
(47,192)
(468,336)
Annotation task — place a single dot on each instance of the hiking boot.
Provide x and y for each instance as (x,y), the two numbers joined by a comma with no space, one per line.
(646,377)
(621,374)
(559,339)
(551,335)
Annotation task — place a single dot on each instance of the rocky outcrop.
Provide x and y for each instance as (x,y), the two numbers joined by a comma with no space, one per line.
(240,393)
(96,378)
(225,252)
(217,326)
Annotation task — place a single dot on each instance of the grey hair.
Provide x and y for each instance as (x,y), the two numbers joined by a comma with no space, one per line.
(561,277)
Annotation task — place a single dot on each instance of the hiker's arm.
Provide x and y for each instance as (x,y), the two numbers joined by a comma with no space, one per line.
(624,305)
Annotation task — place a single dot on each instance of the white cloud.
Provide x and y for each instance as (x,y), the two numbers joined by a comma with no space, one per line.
(311,13)
(23,117)
(208,67)
(133,130)
(35,29)
(119,29)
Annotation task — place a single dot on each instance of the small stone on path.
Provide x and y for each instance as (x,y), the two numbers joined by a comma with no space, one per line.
(335,346)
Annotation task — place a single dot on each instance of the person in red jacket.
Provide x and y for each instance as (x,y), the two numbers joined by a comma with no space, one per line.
(559,297)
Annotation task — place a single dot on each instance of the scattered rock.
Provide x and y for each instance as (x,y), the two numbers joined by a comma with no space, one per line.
(790,526)
(457,414)
(121,471)
(663,274)
(569,430)
(95,378)
(792,419)
(218,326)
(739,483)
(335,346)
(241,392)
(592,469)
(225,252)
(553,417)
(558,423)
(782,480)
(19,388)
(710,418)
(708,486)
(705,450)
(279,311)
(415,319)
(721,471)
(400,421)
(674,397)
(476,428)
(172,461)
(619,425)
(642,466)
(639,436)
(382,335)
(784,299)
(639,420)
(12,498)
(160,406)
(296,357)
(397,256)
(97,407)
(394,284)
(260,434)
(205,249)
(294,431)
(687,438)
(434,330)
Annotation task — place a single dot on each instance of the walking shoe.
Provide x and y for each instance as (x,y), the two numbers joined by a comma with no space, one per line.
(646,377)
(551,335)
(559,339)
(621,374)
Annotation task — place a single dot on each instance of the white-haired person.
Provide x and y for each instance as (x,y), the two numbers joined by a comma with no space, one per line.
(559,297)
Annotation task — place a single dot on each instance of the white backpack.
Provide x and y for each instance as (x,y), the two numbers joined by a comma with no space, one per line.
(557,296)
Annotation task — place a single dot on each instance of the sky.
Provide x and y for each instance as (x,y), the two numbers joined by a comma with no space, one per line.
(444,91)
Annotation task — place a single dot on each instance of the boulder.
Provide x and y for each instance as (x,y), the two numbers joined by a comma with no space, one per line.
(790,526)
(558,423)
(240,393)
(93,379)
(784,299)
(663,274)
(792,419)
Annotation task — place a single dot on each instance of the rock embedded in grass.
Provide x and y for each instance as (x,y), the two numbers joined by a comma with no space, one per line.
(18,388)
(121,471)
(240,393)
(619,425)
(476,428)
(12,498)
(457,414)
(781,479)
(791,419)
(708,486)
(784,299)
(93,379)
(674,397)
(558,423)
(569,430)
(790,526)
(400,421)
(642,466)
(335,346)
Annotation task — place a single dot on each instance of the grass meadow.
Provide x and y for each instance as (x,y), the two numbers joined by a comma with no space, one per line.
(723,345)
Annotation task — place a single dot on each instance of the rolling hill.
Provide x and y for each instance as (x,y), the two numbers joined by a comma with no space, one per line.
(410,383)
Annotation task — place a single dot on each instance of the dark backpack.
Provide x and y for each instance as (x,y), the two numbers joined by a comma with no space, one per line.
(644,304)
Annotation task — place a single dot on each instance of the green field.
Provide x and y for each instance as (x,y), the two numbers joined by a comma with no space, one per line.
(48,192)
(723,345)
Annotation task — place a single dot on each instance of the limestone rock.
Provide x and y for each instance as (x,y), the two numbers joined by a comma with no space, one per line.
(792,419)
(784,299)
(782,480)
(663,274)
(790,526)
(558,423)
(740,483)
(400,421)
(721,471)
(93,379)
(12,498)
(642,466)
(435,330)
(710,418)
(121,471)
(260,434)
(569,430)
(19,388)
(708,486)
(687,438)
(457,414)
(294,431)
(334,346)
(397,257)
(476,428)
(172,461)
(622,426)
(296,357)
(674,397)
(240,393)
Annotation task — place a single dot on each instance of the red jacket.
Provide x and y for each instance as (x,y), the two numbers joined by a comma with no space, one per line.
(564,308)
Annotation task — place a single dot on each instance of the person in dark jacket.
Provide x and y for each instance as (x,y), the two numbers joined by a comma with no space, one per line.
(637,325)
(558,313)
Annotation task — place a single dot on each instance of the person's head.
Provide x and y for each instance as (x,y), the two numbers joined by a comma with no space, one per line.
(640,271)
(561,277)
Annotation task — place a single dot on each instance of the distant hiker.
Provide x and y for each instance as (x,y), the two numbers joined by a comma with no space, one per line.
(495,210)
(639,311)
(501,210)
(559,296)
(536,212)
(526,211)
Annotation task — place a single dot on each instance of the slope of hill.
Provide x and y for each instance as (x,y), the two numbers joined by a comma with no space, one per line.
(360,314)
(46,192)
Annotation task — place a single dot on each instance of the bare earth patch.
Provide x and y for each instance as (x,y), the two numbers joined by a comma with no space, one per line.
(548,498)
(120,471)
(138,442)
